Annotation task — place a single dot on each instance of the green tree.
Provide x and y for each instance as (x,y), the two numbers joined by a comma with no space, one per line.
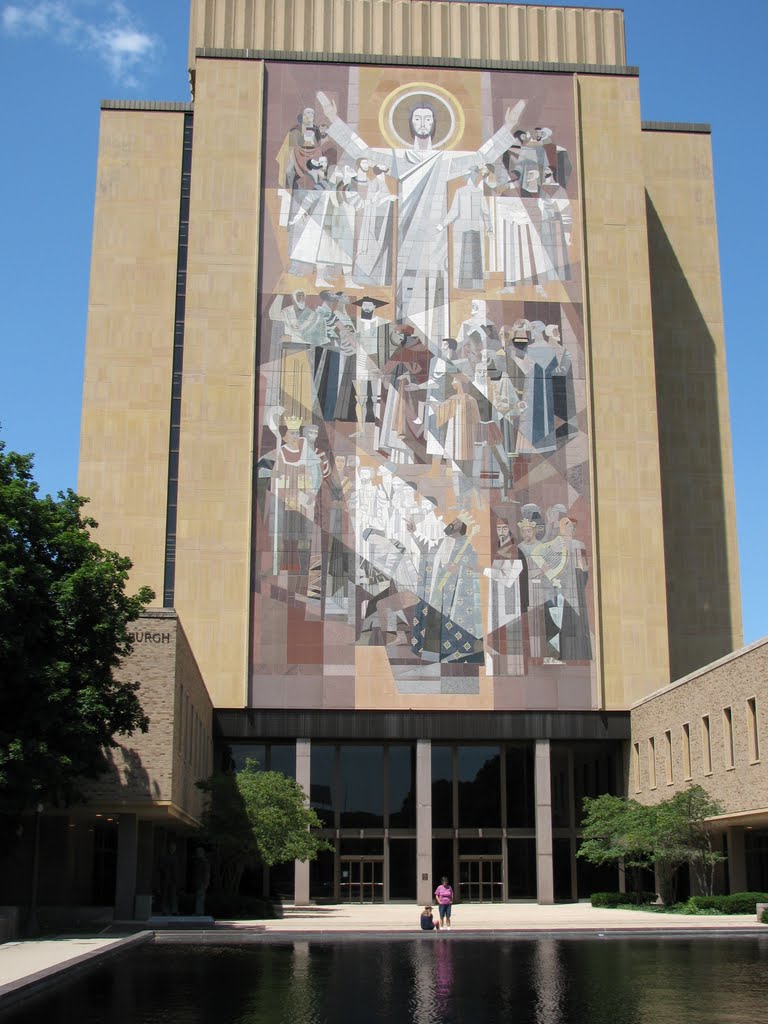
(664,835)
(64,617)
(614,829)
(682,836)
(255,817)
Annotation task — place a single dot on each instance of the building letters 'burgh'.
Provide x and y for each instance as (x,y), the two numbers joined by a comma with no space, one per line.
(422,509)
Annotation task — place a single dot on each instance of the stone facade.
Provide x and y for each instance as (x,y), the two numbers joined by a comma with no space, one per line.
(278,268)
(425,29)
(732,695)
(153,773)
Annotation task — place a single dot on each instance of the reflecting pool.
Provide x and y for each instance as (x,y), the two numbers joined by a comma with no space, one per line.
(430,979)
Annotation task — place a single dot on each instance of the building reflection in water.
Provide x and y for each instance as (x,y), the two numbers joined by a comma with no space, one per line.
(304,1000)
(549,981)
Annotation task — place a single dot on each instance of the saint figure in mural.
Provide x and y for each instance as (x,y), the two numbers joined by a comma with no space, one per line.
(371,343)
(563,566)
(556,226)
(504,653)
(296,477)
(447,624)
(423,173)
(373,251)
(470,217)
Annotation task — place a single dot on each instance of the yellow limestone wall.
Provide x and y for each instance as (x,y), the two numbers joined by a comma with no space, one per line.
(697,466)
(628,509)
(216,444)
(129,348)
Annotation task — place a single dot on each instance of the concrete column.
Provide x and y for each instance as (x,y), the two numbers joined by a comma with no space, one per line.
(424,821)
(737,861)
(545,883)
(301,871)
(145,869)
(127,853)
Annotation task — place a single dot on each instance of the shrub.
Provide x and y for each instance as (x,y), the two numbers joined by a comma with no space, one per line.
(764,918)
(736,903)
(621,899)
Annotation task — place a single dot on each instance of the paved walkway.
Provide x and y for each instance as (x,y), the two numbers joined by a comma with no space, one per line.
(496,917)
(27,965)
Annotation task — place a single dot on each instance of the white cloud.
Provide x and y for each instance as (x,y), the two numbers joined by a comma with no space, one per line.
(108,31)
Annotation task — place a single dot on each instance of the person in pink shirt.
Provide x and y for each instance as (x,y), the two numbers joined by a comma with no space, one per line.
(444,897)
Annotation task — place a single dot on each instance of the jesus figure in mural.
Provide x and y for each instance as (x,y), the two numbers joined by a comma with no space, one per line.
(423,173)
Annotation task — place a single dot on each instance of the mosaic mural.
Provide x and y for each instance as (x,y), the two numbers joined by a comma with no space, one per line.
(421,503)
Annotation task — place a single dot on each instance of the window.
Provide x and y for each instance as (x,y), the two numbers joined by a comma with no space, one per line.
(706,745)
(728,737)
(668,756)
(182,709)
(687,750)
(636,765)
(361,798)
(754,739)
(652,762)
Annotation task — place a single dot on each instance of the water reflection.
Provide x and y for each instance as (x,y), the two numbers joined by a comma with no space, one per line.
(549,982)
(432,979)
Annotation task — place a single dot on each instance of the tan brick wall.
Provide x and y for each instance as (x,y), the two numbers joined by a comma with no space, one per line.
(162,764)
(193,729)
(694,428)
(628,511)
(214,505)
(416,28)
(729,683)
(129,348)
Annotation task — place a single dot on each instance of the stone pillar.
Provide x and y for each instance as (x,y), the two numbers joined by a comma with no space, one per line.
(737,861)
(424,821)
(127,853)
(145,870)
(301,871)
(545,885)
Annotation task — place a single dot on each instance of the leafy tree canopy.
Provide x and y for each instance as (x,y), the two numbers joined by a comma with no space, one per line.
(254,817)
(664,835)
(64,617)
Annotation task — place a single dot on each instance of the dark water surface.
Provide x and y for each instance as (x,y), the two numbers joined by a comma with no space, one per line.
(427,980)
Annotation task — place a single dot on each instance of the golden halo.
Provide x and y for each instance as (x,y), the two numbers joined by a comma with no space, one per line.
(395,111)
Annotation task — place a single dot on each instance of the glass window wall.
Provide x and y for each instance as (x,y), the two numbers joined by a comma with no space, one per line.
(479,777)
(362,786)
(402,787)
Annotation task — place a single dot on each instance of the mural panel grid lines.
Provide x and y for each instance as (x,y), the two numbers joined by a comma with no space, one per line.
(422,508)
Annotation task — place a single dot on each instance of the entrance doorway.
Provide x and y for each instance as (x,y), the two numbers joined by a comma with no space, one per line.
(480,880)
(361,880)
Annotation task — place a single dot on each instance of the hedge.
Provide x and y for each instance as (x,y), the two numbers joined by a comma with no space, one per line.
(736,903)
(621,899)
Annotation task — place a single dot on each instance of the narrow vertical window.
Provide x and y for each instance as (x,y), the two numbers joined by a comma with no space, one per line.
(754,738)
(687,750)
(652,762)
(706,745)
(636,765)
(728,737)
(169,577)
(181,718)
(668,756)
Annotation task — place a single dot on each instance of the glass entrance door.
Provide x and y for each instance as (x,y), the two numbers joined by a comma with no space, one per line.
(480,880)
(361,880)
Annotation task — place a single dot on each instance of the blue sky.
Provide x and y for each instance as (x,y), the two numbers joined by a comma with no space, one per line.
(699,61)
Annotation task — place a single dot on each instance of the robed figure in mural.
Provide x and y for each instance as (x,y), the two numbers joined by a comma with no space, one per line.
(563,565)
(447,623)
(423,173)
